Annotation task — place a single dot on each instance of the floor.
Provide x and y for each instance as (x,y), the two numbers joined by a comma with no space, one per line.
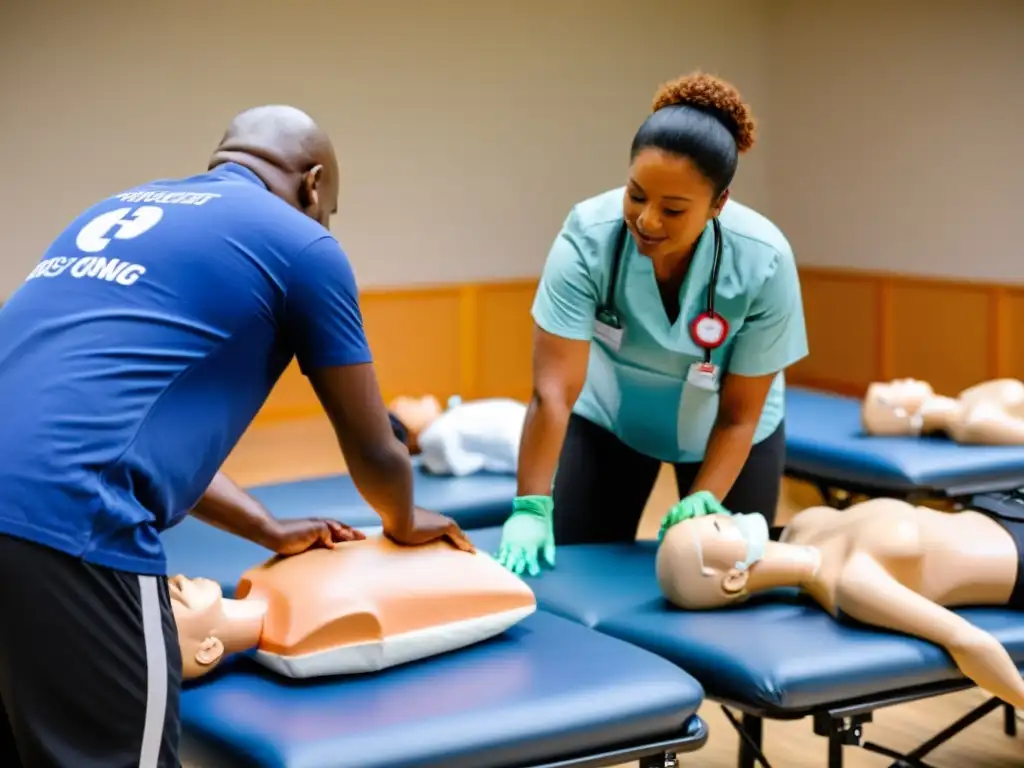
(307,449)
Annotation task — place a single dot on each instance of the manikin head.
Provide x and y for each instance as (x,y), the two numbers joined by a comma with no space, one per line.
(706,562)
(682,161)
(893,408)
(415,415)
(211,626)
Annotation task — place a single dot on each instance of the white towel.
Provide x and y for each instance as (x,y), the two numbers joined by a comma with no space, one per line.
(481,435)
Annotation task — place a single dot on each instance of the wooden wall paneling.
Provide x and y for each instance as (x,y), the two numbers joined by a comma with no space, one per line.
(290,399)
(865,326)
(843,313)
(504,351)
(941,332)
(475,339)
(469,341)
(1009,319)
(415,336)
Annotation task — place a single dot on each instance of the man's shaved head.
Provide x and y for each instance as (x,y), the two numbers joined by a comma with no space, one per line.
(287,149)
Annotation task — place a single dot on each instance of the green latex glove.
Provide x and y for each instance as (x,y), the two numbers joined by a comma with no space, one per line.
(528,535)
(695,505)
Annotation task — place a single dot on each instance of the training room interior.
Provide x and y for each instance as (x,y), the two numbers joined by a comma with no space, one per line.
(890,154)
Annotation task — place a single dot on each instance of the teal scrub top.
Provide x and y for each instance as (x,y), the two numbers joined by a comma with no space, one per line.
(640,392)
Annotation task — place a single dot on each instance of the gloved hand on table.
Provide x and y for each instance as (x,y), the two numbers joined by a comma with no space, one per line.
(528,535)
(696,504)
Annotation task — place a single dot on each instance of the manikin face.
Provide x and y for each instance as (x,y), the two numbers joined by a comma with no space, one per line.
(416,413)
(705,562)
(210,626)
(908,394)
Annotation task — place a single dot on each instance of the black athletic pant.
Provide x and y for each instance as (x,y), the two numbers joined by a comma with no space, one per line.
(90,668)
(602,485)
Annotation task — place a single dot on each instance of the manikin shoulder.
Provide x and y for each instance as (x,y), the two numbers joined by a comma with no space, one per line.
(867,525)
(873,544)
(874,556)
(807,523)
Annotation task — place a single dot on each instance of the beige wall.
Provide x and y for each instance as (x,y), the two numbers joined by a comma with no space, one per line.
(897,134)
(465,129)
(891,130)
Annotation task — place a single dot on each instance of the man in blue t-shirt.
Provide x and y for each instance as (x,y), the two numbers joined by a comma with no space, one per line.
(131,361)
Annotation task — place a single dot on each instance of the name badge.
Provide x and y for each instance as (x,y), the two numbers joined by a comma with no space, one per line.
(608,334)
(703,376)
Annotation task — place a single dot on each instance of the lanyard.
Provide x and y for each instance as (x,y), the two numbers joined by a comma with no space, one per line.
(708,341)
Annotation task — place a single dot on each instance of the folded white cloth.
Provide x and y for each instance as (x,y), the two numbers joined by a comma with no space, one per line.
(481,435)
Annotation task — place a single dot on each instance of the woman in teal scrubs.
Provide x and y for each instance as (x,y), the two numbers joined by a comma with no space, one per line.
(665,316)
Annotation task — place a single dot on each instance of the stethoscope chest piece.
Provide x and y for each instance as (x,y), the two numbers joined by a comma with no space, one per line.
(709,329)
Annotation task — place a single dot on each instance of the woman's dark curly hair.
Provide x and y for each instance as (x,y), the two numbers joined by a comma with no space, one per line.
(703,118)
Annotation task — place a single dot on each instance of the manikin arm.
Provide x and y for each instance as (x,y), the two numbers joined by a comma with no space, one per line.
(869,594)
(989,427)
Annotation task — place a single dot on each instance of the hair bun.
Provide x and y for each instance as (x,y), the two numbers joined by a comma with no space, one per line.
(708,92)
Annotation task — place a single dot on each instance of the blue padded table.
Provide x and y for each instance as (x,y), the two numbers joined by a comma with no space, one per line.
(547,692)
(779,656)
(474,501)
(826,445)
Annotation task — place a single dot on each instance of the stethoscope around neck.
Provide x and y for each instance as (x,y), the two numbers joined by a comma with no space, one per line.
(708,329)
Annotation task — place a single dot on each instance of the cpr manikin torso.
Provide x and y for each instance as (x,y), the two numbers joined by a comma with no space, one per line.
(882,562)
(990,413)
(481,435)
(363,606)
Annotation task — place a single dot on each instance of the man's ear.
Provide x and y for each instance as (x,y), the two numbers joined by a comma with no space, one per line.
(735,581)
(309,190)
(210,651)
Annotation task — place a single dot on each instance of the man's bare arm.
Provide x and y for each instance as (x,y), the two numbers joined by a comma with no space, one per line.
(228,507)
(379,464)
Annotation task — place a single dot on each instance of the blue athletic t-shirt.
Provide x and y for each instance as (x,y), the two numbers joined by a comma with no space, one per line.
(140,348)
